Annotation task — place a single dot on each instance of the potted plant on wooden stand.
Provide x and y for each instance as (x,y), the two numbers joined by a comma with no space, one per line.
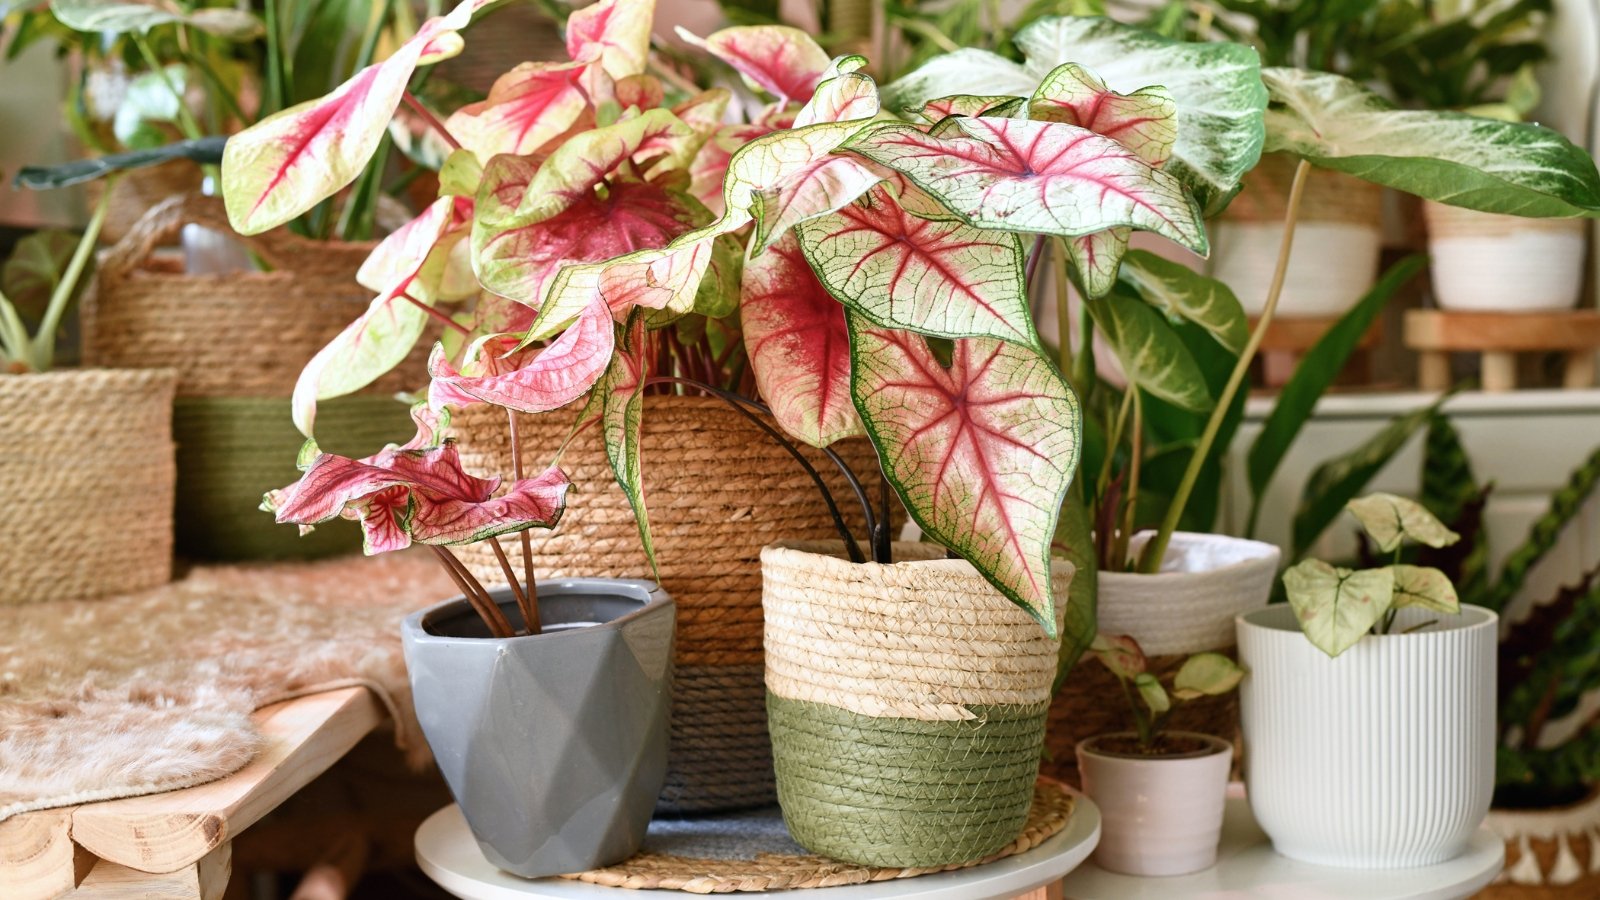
(1160,791)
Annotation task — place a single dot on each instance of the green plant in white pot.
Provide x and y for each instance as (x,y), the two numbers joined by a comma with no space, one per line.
(1371,700)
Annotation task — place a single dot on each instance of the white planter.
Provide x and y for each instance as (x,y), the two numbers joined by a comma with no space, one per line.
(1331,266)
(1487,262)
(1159,815)
(1206,580)
(1380,758)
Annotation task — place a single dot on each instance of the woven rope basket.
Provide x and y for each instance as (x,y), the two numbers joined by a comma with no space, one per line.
(906,702)
(138,190)
(1328,196)
(1453,221)
(1551,854)
(86,483)
(718,490)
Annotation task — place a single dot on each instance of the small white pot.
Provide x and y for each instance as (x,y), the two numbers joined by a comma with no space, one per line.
(1382,757)
(1332,265)
(1205,581)
(1159,815)
(1488,262)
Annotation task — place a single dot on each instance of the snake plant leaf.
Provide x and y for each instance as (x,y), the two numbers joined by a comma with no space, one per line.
(1453,158)
(206,151)
(940,278)
(840,99)
(616,33)
(527,108)
(1206,675)
(1217,87)
(798,345)
(403,495)
(530,381)
(123,16)
(1391,519)
(1181,293)
(620,395)
(1121,654)
(1336,607)
(296,158)
(1426,587)
(980,451)
(940,108)
(1152,354)
(1040,177)
(782,61)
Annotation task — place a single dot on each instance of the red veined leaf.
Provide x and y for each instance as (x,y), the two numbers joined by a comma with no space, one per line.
(292,160)
(812,190)
(704,111)
(711,163)
(666,278)
(616,33)
(1121,654)
(553,377)
(1145,121)
(620,398)
(981,452)
(403,251)
(527,107)
(942,108)
(937,277)
(785,62)
(841,99)
(642,91)
(1097,257)
(1041,177)
(798,346)
(423,495)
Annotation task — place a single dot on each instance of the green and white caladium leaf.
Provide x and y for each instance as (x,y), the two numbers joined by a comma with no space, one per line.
(1181,293)
(981,451)
(1391,519)
(798,345)
(1426,587)
(1217,86)
(1039,177)
(940,278)
(527,108)
(782,61)
(940,108)
(123,16)
(1153,356)
(840,99)
(1454,158)
(1337,606)
(1206,675)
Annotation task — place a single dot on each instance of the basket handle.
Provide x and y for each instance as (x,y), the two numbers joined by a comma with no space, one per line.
(279,248)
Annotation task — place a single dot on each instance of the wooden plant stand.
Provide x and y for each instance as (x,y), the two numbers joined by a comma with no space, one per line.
(1499,337)
(1288,339)
(178,844)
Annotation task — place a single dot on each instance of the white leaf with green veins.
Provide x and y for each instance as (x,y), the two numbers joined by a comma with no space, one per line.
(1336,607)
(1390,519)
(1453,158)
(1426,587)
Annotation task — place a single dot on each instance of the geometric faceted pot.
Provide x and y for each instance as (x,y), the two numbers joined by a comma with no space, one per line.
(906,701)
(1488,262)
(1382,757)
(1161,814)
(555,744)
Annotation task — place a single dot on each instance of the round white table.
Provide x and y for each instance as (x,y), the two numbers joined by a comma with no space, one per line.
(1247,867)
(448,854)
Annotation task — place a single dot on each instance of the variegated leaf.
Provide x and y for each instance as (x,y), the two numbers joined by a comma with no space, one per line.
(1144,121)
(667,278)
(549,378)
(840,99)
(527,108)
(1391,519)
(123,16)
(1206,675)
(1097,257)
(1152,355)
(1121,654)
(616,33)
(785,62)
(1426,587)
(1337,607)
(1179,292)
(620,397)
(940,108)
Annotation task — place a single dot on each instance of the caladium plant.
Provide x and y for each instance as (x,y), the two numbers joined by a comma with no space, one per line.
(1150,702)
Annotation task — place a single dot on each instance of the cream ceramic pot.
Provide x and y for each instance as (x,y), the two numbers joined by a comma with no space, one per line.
(1487,262)
(1159,815)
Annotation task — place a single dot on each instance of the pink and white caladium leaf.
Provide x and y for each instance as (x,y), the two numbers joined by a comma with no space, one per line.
(941,108)
(784,178)
(936,277)
(981,451)
(527,380)
(294,159)
(709,166)
(401,496)
(667,278)
(798,345)
(527,108)
(782,61)
(1121,654)
(614,33)
(840,99)
(1038,177)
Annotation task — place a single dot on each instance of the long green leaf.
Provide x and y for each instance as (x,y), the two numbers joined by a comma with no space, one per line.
(1075,542)
(1545,531)
(1182,293)
(1152,355)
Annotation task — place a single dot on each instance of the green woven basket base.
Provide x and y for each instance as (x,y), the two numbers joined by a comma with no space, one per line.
(233,450)
(903,792)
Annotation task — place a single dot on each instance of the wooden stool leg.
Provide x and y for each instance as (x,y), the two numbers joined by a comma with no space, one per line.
(1499,372)
(1433,370)
(205,880)
(1580,370)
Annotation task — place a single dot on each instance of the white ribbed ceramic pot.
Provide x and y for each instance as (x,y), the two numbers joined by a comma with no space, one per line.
(1158,815)
(1487,262)
(1380,758)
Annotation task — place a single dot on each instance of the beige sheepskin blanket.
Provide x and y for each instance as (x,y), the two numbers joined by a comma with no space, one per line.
(153,691)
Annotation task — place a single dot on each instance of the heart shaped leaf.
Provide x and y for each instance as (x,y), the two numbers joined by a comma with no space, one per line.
(616,33)
(1121,654)
(1426,587)
(527,108)
(1392,519)
(1206,675)
(1335,606)
(1144,121)
(785,62)
(531,381)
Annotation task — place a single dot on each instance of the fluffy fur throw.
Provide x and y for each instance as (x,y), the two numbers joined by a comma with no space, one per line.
(153,691)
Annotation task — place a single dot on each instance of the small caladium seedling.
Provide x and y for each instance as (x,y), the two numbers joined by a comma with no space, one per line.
(1336,607)
(1150,702)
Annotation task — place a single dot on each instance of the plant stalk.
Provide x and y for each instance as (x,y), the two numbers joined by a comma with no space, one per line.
(44,341)
(1156,550)
(1131,504)
(529,616)
(481,603)
(530,603)
(186,122)
(1058,265)
(430,119)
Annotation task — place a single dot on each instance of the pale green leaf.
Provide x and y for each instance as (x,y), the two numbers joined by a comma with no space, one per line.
(1390,519)
(1120,654)
(1426,587)
(1206,674)
(1152,354)
(1184,294)
(1152,693)
(1335,606)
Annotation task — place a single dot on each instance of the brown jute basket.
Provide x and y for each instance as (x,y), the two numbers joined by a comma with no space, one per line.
(1328,196)
(86,483)
(718,490)
(138,190)
(1551,854)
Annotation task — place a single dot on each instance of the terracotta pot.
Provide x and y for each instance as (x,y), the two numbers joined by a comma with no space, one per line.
(1160,815)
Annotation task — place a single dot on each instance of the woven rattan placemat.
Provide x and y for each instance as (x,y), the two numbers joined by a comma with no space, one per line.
(752,851)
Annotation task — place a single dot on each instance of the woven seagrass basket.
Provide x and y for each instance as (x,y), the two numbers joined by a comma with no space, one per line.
(718,490)
(86,483)
(907,703)
(1551,854)
(238,341)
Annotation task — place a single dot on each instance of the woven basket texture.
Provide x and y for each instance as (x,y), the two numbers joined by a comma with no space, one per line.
(1328,196)
(1453,221)
(718,490)
(86,483)
(138,190)
(1551,854)
(232,450)
(907,704)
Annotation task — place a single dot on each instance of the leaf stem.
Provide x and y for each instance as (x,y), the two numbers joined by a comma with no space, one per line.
(191,128)
(441,317)
(530,609)
(529,616)
(1130,505)
(1058,265)
(1157,548)
(430,119)
(481,603)
(44,340)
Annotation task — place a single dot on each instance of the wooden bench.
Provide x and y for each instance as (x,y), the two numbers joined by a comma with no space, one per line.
(178,844)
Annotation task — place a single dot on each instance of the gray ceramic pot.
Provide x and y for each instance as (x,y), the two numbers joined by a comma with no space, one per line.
(554,745)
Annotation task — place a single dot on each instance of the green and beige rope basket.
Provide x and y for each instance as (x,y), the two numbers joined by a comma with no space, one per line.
(907,703)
